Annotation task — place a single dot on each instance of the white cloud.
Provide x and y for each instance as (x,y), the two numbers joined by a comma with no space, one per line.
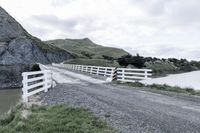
(163,28)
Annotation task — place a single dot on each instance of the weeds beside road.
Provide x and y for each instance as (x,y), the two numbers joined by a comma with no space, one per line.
(164,87)
(52,119)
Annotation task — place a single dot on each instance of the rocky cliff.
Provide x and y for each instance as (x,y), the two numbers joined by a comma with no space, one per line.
(18,47)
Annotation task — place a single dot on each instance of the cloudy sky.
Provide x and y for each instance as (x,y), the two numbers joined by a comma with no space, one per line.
(161,28)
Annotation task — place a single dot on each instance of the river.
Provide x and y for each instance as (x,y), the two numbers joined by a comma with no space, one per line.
(8,98)
(189,79)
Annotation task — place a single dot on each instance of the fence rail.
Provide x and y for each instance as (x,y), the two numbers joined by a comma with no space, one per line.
(35,82)
(132,75)
(103,71)
(123,74)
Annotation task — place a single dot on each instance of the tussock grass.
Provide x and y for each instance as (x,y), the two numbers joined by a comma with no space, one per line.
(53,119)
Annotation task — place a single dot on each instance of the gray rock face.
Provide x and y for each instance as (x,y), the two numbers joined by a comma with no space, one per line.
(9,27)
(10,75)
(19,48)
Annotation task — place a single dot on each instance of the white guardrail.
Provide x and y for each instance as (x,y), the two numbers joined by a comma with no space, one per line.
(132,75)
(35,82)
(103,71)
(123,74)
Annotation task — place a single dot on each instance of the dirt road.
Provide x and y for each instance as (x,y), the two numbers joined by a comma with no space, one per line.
(127,109)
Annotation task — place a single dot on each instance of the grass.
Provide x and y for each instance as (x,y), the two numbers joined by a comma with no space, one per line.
(52,119)
(166,88)
(94,62)
(85,48)
(161,67)
(44,46)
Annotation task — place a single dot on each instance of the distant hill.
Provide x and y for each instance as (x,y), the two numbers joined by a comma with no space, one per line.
(85,48)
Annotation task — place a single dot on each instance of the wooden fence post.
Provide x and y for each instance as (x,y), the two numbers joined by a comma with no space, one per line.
(46,81)
(24,89)
(146,74)
(114,74)
(123,74)
(97,71)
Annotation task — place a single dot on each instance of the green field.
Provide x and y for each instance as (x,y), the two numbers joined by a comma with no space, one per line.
(52,119)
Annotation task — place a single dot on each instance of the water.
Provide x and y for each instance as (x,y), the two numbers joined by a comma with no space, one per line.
(189,79)
(8,98)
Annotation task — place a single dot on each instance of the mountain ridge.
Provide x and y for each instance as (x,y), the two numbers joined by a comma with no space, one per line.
(85,48)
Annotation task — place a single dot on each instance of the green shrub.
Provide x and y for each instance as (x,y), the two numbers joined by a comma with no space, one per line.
(35,67)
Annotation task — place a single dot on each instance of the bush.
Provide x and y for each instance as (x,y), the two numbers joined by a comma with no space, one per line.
(137,61)
(35,67)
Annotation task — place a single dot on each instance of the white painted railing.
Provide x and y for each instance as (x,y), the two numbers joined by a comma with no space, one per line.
(103,71)
(123,74)
(35,82)
(132,75)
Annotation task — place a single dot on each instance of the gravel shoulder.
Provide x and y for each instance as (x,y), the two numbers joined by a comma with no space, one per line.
(127,109)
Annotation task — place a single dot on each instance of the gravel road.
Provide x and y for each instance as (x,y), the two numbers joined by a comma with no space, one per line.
(130,110)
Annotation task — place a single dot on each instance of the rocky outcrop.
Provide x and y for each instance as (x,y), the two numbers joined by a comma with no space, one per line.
(17,46)
(23,50)
(18,49)
(10,75)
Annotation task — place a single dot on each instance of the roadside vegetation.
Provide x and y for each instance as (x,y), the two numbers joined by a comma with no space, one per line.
(52,119)
(164,87)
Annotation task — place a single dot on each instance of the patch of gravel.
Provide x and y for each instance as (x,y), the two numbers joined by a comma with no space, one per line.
(130,110)
(85,73)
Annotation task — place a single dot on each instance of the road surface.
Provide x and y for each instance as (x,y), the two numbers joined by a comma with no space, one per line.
(127,109)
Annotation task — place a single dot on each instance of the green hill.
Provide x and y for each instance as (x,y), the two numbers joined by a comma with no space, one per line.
(85,48)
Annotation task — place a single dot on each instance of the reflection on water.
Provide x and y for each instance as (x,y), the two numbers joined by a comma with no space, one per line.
(8,98)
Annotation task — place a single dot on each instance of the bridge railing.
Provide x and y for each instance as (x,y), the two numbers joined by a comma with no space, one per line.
(123,74)
(132,75)
(35,82)
(103,71)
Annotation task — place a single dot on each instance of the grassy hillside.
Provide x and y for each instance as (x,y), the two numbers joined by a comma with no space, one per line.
(44,46)
(85,48)
(93,62)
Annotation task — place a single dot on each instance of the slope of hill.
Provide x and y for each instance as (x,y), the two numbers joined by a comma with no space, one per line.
(85,48)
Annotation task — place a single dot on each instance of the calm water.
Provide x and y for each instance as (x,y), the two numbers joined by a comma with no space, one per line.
(8,98)
(189,79)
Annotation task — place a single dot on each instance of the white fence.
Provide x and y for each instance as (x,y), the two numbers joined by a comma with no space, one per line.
(35,82)
(103,71)
(123,74)
(132,75)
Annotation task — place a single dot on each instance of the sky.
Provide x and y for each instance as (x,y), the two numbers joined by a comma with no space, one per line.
(156,28)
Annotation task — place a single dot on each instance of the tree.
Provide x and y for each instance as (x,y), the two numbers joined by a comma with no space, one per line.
(138,61)
(124,60)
